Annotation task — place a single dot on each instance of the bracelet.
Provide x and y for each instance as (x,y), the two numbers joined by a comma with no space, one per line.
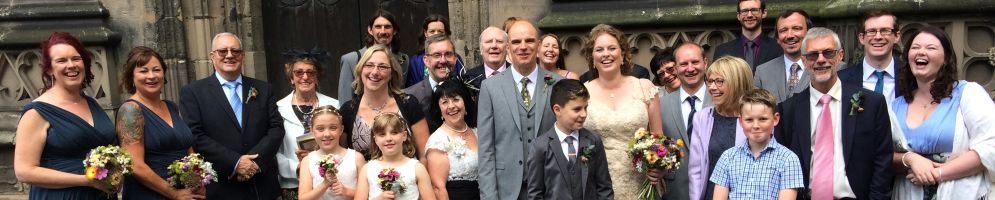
(903,160)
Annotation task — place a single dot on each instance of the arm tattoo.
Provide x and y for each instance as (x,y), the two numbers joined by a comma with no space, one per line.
(130,124)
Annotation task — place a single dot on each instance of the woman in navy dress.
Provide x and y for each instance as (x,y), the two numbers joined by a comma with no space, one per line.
(151,129)
(58,129)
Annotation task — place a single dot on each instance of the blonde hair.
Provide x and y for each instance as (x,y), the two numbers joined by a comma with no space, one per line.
(325,110)
(396,123)
(738,79)
(393,86)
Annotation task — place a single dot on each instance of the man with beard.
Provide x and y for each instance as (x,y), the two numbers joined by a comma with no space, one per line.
(878,35)
(493,54)
(784,75)
(380,30)
(689,98)
(513,110)
(236,125)
(840,131)
(752,45)
(440,57)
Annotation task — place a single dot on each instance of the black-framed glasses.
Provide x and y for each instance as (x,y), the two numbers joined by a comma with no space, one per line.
(753,11)
(828,53)
(225,52)
(716,82)
(882,31)
(301,73)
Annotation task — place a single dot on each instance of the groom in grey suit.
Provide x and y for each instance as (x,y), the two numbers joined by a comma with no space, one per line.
(776,75)
(690,97)
(513,109)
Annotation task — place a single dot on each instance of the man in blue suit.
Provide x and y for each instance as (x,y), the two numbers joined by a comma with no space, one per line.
(876,72)
(840,131)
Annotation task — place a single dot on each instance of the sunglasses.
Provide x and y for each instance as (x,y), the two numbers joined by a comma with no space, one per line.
(829,53)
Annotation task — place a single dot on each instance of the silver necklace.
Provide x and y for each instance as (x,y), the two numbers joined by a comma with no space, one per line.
(377,110)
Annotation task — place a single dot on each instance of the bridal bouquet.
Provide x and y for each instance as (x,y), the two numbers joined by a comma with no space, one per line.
(652,152)
(327,164)
(390,180)
(107,165)
(191,171)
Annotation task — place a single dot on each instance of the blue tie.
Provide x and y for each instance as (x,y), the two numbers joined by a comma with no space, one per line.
(691,100)
(236,102)
(879,87)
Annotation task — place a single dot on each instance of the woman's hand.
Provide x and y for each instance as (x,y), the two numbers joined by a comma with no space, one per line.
(186,194)
(654,176)
(301,153)
(385,196)
(109,189)
(921,173)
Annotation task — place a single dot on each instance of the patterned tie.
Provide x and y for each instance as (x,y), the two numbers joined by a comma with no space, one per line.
(793,80)
(526,99)
(879,86)
(822,159)
(691,100)
(236,102)
(571,151)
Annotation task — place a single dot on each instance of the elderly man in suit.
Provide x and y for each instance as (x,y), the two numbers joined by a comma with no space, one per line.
(785,75)
(513,110)
(841,132)
(878,35)
(751,45)
(381,29)
(689,98)
(236,124)
(440,57)
(493,54)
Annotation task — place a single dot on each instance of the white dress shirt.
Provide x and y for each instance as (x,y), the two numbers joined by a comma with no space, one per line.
(787,69)
(870,81)
(432,83)
(841,184)
(533,77)
(563,144)
(686,107)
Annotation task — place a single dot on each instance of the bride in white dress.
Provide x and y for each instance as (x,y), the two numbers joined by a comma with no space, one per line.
(620,105)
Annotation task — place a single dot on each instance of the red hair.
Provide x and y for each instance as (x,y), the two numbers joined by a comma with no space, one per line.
(46,59)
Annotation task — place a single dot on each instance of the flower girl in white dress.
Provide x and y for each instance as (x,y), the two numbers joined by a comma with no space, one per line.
(391,172)
(340,184)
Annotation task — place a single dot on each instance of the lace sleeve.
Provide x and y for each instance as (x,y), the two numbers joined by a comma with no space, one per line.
(438,141)
(648,90)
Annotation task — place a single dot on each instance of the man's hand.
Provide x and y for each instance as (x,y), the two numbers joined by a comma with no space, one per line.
(246,167)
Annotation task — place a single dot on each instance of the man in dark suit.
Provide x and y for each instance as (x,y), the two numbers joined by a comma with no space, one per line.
(381,29)
(752,45)
(440,57)
(876,72)
(785,75)
(840,132)
(493,54)
(236,124)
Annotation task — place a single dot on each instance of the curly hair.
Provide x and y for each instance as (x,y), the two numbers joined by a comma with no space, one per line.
(56,38)
(623,44)
(946,80)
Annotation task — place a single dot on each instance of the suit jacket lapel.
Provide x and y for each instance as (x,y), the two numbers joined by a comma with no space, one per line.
(804,81)
(782,86)
(560,157)
(848,123)
(803,130)
(677,115)
(540,98)
(216,90)
(512,96)
(585,140)
(247,99)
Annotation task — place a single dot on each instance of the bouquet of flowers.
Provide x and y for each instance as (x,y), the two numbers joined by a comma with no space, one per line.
(390,180)
(653,152)
(107,165)
(327,164)
(191,171)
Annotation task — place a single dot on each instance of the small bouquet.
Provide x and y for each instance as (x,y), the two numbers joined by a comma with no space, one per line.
(327,164)
(191,171)
(652,152)
(107,165)
(390,180)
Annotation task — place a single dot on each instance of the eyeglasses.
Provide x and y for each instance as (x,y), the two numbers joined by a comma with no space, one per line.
(716,82)
(754,11)
(882,31)
(378,67)
(828,53)
(225,52)
(440,55)
(301,73)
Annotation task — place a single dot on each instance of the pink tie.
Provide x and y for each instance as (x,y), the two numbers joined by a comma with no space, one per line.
(822,160)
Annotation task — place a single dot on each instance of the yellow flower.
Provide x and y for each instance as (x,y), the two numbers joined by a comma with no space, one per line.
(680,143)
(91,173)
(651,157)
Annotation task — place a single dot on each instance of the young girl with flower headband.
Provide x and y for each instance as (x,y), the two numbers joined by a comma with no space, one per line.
(392,173)
(328,184)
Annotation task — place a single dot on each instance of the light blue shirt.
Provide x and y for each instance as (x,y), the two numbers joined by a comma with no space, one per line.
(238,89)
(760,177)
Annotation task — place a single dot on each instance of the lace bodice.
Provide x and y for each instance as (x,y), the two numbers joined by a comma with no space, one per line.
(462,160)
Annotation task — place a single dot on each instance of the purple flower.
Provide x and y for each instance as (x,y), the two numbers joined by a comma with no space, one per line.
(101,173)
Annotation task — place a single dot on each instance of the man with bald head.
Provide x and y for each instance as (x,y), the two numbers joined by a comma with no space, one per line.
(493,54)
(235,125)
(513,109)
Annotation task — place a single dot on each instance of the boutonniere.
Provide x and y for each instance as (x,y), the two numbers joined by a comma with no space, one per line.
(549,80)
(855,103)
(252,95)
(586,154)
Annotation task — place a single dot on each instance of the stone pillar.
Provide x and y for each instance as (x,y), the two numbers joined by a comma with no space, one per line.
(468,18)
(203,19)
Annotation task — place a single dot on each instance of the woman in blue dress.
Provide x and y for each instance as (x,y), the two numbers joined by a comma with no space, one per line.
(60,126)
(151,129)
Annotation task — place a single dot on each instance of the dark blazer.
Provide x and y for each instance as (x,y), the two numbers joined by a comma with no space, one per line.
(407,104)
(867,145)
(547,169)
(769,49)
(638,71)
(222,141)
(854,74)
(423,92)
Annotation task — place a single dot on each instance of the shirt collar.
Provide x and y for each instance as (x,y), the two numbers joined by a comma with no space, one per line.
(743,39)
(223,81)
(771,144)
(432,83)
(788,62)
(836,92)
(869,70)
(532,76)
(488,70)
(700,93)
(562,136)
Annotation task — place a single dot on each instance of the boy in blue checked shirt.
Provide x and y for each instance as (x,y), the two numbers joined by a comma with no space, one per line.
(760,168)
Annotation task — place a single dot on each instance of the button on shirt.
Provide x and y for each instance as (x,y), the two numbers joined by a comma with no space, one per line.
(869,80)
(760,177)
(686,107)
(841,184)
(517,76)
(787,69)
(563,144)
